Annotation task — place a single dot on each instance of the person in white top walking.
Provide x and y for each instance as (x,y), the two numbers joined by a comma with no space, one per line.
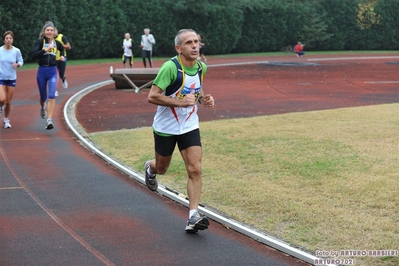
(10,60)
(147,40)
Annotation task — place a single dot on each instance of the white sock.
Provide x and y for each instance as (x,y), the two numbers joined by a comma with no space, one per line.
(148,172)
(192,212)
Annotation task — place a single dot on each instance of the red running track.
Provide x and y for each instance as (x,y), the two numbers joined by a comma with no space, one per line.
(62,205)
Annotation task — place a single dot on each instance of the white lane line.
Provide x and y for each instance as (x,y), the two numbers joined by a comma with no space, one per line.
(239,64)
(352,58)
(381,82)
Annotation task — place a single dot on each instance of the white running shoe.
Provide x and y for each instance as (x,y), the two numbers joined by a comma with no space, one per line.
(150,181)
(65,84)
(49,124)
(7,123)
(197,222)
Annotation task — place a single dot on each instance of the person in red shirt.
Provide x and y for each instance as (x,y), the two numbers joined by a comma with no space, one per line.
(299,49)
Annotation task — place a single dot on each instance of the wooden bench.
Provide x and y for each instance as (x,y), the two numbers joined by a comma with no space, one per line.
(136,78)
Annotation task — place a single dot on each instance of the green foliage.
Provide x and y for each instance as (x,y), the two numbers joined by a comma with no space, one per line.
(314,31)
(212,19)
(96,28)
(366,15)
(155,15)
(341,24)
(386,35)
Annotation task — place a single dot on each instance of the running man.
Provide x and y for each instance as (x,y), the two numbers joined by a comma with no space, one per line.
(177,94)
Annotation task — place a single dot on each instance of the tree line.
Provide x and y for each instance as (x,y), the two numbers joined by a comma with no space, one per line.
(96,28)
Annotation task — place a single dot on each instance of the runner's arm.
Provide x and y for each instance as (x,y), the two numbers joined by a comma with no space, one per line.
(156,96)
(37,49)
(67,45)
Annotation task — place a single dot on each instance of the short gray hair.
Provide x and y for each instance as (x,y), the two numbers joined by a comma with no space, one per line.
(178,39)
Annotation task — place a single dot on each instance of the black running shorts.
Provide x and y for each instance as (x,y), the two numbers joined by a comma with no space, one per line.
(166,145)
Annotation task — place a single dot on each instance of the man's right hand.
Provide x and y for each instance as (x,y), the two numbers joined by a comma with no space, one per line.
(189,99)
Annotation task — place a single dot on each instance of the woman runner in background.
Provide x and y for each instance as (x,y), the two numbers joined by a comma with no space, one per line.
(10,60)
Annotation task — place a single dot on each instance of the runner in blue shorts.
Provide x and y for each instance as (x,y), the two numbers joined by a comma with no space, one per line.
(10,60)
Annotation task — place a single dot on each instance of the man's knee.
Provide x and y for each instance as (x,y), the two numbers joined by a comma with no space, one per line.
(161,169)
(194,170)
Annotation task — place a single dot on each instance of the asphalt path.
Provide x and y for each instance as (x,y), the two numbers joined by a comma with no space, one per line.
(63,205)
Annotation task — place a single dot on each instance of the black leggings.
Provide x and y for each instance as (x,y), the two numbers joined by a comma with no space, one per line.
(61,66)
(147,54)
